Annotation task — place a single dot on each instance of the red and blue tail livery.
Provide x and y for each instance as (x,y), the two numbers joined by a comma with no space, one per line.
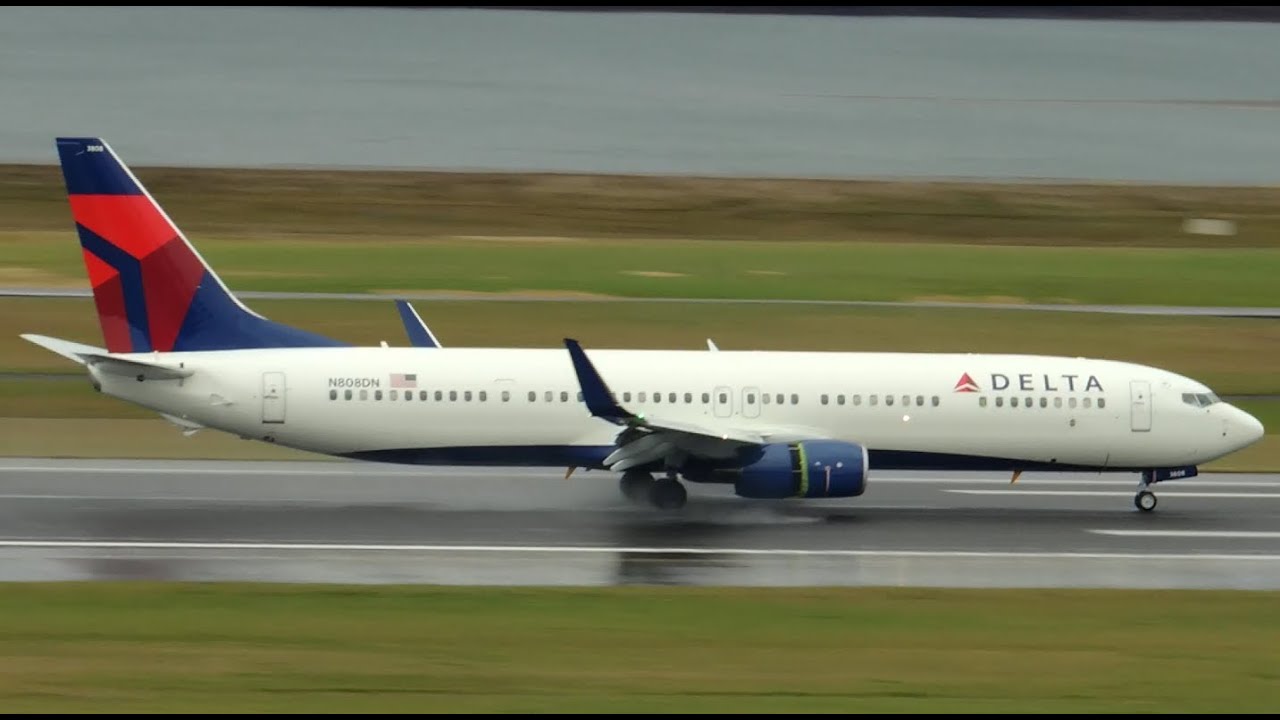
(152,289)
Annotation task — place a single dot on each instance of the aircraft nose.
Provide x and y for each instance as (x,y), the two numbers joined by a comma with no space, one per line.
(1249,427)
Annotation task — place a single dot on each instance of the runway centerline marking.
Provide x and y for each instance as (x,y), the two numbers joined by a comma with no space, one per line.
(1120,493)
(1191,533)
(605,549)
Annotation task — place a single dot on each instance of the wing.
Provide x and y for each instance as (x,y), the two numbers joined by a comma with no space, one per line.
(419,334)
(647,439)
(98,358)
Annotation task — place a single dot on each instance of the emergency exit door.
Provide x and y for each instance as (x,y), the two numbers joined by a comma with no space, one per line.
(273,397)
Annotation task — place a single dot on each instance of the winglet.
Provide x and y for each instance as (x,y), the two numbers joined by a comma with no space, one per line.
(419,334)
(712,346)
(594,391)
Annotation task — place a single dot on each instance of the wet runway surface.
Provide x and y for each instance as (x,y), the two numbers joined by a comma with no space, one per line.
(371,523)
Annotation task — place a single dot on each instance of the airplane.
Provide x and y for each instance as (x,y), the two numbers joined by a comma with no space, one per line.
(771,424)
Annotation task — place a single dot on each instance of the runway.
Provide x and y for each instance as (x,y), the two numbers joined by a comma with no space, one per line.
(372,523)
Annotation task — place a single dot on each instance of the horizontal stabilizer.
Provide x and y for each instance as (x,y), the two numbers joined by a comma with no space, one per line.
(135,368)
(96,357)
(72,351)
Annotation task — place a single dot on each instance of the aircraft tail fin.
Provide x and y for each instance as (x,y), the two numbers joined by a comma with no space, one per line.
(419,334)
(152,289)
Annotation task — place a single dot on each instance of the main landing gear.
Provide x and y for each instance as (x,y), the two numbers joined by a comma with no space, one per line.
(664,494)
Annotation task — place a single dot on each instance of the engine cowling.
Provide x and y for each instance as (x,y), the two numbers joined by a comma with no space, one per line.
(807,469)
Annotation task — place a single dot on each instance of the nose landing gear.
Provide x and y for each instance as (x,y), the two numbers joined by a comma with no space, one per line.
(1145,500)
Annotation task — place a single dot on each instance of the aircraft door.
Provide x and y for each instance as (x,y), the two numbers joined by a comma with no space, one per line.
(722,401)
(1140,405)
(273,397)
(751,402)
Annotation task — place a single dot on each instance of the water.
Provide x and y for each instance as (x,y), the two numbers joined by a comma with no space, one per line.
(647,93)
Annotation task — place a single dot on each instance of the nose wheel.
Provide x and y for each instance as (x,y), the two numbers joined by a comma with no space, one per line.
(1145,500)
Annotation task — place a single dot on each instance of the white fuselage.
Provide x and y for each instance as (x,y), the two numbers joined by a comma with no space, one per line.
(522,406)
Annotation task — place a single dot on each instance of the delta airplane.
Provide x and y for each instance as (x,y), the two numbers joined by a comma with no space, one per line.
(772,425)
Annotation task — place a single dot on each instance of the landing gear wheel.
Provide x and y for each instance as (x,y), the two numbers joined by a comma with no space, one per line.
(668,495)
(1145,501)
(636,486)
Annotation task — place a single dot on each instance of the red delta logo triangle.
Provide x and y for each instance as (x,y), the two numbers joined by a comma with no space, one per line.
(966,384)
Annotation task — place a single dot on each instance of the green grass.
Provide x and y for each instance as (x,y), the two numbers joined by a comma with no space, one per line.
(1233,356)
(231,648)
(439,204)
(785,269)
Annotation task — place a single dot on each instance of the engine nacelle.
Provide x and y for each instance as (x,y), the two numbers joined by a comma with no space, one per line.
(806,469)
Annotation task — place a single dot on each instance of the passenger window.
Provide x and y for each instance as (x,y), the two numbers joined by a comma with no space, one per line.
(875,400)
(626,396)
(364,394)
(657,397)
(394,395)
(533,396)
(1000,402)
(1013,402)
(377,394)
(1072,402)
(564,396)
(550,396)
(982,402)
(688,398)
(422,395)
(937,400)
(484,395)
(671,398)
(706,398)
(764,398)
(642,396)
(1102,402)
(346,394)
(782,399)
(439,395)
(751,398)
(333,394)
(1044,402)
(724,398)
(795,399)
(506,395)
(453,395)
(840,399)
(1057,402)
(857,399)
(1088,402)
(919,401)
(1030,402)
(408,395)
(888,400)
(579,396)
(824,399)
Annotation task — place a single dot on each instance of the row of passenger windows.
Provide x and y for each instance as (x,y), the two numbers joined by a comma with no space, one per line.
(672,398)
(1030,402)
(641,397)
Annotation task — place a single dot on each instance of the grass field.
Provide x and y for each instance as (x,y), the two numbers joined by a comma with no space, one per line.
(784,269)
(650,237)
(228,648)
(271,203)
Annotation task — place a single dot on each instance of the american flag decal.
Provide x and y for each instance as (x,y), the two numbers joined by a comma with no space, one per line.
(401,380)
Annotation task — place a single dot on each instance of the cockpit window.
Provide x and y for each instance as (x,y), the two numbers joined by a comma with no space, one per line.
(1200,399)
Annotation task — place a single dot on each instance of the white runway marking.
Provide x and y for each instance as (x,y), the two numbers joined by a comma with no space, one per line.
(1117,493)
(1192,533)
(594,549)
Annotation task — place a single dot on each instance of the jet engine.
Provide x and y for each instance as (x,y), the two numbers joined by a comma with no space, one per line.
(807,469)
